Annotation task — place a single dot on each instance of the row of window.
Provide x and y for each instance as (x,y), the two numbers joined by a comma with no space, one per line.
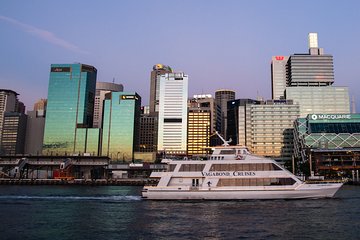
(223,182)
(227,167)
(245,167)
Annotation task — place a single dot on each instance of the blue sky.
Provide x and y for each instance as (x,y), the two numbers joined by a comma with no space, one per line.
(219,44)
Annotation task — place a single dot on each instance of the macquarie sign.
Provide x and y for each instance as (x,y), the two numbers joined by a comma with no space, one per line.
(333,118)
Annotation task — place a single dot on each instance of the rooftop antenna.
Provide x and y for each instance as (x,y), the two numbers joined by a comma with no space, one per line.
(113,80)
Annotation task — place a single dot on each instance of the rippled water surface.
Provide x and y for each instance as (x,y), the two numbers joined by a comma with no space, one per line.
(83,212)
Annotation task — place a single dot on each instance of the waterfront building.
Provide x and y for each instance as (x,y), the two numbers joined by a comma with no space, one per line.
(14,130)
(272,129)
(172,121)
(121,122)
(103,88)
(148,130)
(222,96)
(328,144)
(158,70)
(265,127)
(309,81)
(278,76)
(320,99)
(8,103)
(239,121)
(70,110)
(35,128)
(200,124)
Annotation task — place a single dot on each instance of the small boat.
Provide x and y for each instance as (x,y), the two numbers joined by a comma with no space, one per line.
(230,173)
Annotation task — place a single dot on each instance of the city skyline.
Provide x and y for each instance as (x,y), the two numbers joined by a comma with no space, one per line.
(227,45)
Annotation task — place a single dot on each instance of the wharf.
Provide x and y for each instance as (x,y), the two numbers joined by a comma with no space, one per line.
(88,182)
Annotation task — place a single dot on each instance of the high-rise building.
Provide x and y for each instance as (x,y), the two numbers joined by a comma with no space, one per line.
(200,124)
(239,121)
(35,128)
(121,122)
(70,110)
(266,128)
(272,129)
(8,103)
(14,130)
(311,69)
(222,96)
(310,79)
(158,70)
(148,133)
(278,76)
(172,130)
(329,100)
(103,88)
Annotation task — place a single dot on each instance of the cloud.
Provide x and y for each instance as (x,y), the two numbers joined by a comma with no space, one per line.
(43,34)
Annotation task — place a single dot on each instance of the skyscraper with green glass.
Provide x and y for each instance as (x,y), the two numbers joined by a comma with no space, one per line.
(70,110)
(120,126)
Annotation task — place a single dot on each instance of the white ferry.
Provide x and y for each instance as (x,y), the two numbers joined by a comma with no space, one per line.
(231,172)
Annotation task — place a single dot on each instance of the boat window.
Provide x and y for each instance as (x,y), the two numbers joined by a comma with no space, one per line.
(191,167)
(171,167)
(228,151)
(195,182)
(245,167)
(227,182)
(275,167)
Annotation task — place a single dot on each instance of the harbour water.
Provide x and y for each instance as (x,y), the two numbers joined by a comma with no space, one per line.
(118,212)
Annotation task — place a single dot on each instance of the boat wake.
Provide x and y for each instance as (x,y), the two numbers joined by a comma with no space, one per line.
(116,198)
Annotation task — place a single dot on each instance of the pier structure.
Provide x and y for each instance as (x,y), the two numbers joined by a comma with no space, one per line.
(73,170)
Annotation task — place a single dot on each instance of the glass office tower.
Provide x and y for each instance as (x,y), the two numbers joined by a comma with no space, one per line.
(70,108)
(320,99)
(121,124)
(222,96)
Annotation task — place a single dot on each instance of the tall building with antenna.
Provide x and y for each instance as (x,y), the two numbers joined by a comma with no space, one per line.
(158,70)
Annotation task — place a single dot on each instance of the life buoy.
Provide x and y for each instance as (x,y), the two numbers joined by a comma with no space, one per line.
(239,157)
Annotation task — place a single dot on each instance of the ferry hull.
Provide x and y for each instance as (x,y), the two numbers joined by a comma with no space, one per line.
(301,192)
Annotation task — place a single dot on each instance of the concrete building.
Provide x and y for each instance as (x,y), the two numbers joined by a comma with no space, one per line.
(158,70)
(14,130)
(222,96)
(103,88)
(35,128)
(266,128)
(200,124)
(8,103)
(121,122)
(172,122)
(239,121)
(278,76)
(70,110)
